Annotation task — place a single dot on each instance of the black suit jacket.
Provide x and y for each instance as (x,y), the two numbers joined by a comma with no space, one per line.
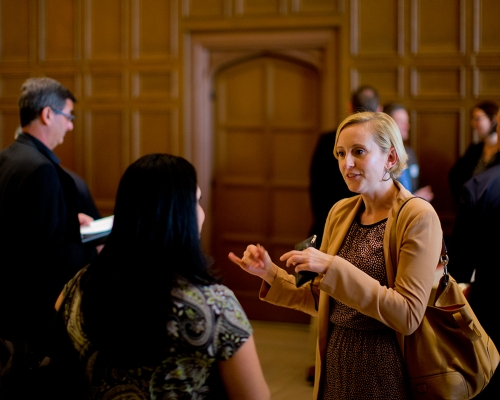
(463,169)
(327,185)
(475,244)
(40,243)
(85,201)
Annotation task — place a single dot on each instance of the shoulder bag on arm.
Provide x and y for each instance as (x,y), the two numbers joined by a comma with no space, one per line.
(449,356)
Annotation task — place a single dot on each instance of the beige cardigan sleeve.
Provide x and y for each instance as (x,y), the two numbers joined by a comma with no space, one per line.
(283,292)
(400,306)
(418,237)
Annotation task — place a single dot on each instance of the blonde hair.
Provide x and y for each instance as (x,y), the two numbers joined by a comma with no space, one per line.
(385,133)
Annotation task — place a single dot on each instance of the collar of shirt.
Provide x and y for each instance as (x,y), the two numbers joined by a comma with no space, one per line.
(27,138)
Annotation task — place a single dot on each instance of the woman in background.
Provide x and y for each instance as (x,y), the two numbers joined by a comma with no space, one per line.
(410,177)
(481,155)
(147,318)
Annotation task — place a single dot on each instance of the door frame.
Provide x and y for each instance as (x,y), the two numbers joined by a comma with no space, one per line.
(206,53)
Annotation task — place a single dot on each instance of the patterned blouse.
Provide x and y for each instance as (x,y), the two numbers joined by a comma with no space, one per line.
(207,324)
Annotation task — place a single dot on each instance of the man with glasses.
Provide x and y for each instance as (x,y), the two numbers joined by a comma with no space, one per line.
(40,244)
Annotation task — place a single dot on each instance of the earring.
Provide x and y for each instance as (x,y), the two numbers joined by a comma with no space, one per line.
(388,173)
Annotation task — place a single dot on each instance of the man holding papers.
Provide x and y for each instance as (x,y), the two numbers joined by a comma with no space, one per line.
(40,243)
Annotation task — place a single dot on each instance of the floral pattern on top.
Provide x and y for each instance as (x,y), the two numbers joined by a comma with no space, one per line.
(206,324)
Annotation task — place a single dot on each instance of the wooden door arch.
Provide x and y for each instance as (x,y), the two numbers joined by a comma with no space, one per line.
(212,54)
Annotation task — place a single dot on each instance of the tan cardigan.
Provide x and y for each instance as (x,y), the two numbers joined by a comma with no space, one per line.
(402,306)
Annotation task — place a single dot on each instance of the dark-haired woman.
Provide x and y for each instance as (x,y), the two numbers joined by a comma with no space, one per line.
(481,155)
(146,318)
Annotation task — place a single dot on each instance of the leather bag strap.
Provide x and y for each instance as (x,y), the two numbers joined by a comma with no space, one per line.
(392,246)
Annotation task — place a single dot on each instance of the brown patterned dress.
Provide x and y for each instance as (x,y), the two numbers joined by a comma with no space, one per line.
(363,359)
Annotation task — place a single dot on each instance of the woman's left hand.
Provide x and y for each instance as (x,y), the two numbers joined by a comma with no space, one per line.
(310,259)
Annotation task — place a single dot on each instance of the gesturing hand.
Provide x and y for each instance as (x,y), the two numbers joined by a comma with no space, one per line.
(256,261)
(310,259)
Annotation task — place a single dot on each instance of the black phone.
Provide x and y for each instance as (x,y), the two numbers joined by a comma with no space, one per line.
(305,276)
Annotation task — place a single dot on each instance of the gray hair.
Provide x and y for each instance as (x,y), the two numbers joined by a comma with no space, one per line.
(38,93)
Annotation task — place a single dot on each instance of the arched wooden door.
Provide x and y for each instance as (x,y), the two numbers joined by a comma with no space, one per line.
(266,126)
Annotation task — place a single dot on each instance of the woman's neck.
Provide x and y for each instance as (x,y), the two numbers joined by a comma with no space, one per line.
(491,140)
(490,146)
(378,205)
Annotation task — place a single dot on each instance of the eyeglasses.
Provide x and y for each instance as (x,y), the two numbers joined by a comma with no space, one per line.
(69,116)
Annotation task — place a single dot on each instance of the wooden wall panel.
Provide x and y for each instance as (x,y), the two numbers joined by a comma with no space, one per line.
(487,82)
(381,38)
(153,130)
(242,163)
(293,151)
(104,139)
(251,222)
(105,30)
(205,8)
(388,80)
(438,134)
(258,7)
(10,85)
(288,202)
(14,18)
(9,122)
(155,85)
(438,82)
(317,6)
(151,29)
(295,104)
(57,30)
(237,92)
(486,14)
(105,85)
(437,28)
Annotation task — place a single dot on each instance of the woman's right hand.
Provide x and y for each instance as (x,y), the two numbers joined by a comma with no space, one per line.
(256,261)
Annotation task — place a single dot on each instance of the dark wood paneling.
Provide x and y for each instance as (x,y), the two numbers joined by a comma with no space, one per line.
(437,153)
(153,130)
(15,19)
(485,17)
(438,82)
(57,37)
(152,30)
(105,157)
(487,82)
(105,32)
(389,80)
(205,8)
(9,122)
(381,38)
(437,27)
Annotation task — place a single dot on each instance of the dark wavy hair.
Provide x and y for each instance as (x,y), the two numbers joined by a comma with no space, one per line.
(126,290)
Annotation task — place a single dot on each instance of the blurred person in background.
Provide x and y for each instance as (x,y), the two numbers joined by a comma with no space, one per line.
(410,178)
(480,155)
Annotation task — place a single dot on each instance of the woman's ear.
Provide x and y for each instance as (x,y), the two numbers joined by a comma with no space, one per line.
(392,158)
